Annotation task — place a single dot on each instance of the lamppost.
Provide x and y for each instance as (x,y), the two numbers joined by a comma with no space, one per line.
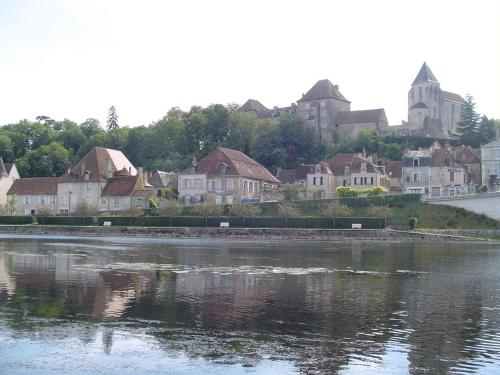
(69,206)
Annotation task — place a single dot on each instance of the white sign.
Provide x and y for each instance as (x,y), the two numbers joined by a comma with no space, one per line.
(107,223)
(356,226)
(224,224)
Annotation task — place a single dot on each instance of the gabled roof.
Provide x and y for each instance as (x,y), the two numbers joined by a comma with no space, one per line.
(300,173)
(452,97)
(34,186)
(252,105)
(354,117)
(394,168)
(96,164)
(161,179)
(466,155)
(120,186)
(236,163)
(323,89)
(8,167)
(353,161)
(443,158)
(425,75)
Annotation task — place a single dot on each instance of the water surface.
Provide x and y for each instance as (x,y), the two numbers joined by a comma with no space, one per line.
(130,306)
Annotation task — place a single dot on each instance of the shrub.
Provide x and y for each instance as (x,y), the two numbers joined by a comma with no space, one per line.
(288,210)
(16,220)
(483,189)
(153,202)
(346,191)
(167,193)
(133,212)
(44,212)
(412,222)
(373,191)
(170,208)
(248,210)
(84,209)
(380,211)
(206,210)
(335,209)
(290,191)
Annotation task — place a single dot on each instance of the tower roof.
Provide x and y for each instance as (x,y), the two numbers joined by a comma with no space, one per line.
(425,74)
(323,89)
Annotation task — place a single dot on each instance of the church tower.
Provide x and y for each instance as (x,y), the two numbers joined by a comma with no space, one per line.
(424,102)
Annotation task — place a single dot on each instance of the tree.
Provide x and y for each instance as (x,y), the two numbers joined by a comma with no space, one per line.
(469,122)
(336,209)
(486,130)
(90,127)
(112,118)
(48,160)
(6,150)
(11,204)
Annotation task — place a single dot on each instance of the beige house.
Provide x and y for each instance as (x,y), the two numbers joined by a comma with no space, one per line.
(225,176)
(8,173)
(32,194)
(358,172)
(104,179)
(394,170)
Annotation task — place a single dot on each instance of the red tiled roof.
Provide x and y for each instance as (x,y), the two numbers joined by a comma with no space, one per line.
(34,186)
(323,89)
(452,97)
(120,186)
(340,161)
(252,105)
(238,164)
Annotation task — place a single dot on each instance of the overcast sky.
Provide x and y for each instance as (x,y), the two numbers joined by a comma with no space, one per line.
(74,59)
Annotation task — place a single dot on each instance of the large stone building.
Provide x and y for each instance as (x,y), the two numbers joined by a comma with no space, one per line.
(432,112)
(104,179)
(224,176)
(490,162)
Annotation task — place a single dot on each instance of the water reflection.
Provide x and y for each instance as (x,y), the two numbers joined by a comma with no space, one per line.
(274,307)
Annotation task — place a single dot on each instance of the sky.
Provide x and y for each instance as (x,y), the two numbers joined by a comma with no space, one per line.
(75,58)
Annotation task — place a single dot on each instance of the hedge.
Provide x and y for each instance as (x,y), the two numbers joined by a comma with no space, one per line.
(16,220)
(115,220)
(66,220)
(310,222)
(366,222)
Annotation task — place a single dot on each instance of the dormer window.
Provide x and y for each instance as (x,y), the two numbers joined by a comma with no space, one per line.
(318,169)
(223,168)
(347,170)
(416,162)
(363,167)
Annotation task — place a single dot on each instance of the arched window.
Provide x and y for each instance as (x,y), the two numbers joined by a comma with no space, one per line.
(420,93)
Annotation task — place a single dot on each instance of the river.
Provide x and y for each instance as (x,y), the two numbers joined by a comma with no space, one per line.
(71,305)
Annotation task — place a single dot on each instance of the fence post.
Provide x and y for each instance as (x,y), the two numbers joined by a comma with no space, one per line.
(334,223)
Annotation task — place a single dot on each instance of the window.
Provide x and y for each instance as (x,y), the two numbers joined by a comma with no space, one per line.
(89,186)
(318,168)
(420,93)
(452,176)
(187,198)
(370,180)
(318,181)
(306,116)
(497,154)
(363,167)
(63,211)
(346,183)
(229,199)
(416,162)
(42,199)
(347,170)
(497,169)
(187,183)
(230,185)
(27,199)
(69,187)
(416,177)
(211,185)
(116,201)
(197,183)
(103,200)
(218,199)
(52,199)
(245,186)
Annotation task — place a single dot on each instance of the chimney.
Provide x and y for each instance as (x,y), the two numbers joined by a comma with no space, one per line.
(140,175)
(145,177)
(110,169)
(336,90)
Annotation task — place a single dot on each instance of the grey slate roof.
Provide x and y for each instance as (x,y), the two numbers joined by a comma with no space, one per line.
(323,89)
(354,117)
(425,74)
(252,105)
(452,97)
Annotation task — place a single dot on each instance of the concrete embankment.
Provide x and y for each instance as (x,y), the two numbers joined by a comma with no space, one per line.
(239,233)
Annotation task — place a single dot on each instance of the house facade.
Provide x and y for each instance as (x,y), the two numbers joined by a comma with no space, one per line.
(103,179)
(225,176)
(490,162)
(394,170)
(8,173)
(358,172)
(433,172)
(33,194)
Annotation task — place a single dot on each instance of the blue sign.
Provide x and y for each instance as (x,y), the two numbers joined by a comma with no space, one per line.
(250,200)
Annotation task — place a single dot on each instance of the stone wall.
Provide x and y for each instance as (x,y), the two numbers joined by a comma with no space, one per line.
(237,233)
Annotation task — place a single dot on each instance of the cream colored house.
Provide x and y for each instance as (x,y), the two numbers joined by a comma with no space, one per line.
(32,194)
(225,176)
(358,172)
(8,173)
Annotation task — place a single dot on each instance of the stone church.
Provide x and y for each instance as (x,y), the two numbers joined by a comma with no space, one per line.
(432,112)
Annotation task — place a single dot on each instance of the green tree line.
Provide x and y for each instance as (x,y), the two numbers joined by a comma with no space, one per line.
(47,147)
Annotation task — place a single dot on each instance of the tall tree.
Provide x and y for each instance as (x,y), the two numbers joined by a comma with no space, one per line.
(112,118)
(469,122)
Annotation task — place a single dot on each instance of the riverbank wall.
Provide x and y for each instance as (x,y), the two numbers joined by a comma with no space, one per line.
(235,233)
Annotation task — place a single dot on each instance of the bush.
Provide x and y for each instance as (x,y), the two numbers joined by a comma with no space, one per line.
(153,202)
(373,191)
(189,221)
(16,220)
(288,210)
(412,222)
(483,189)
(206,210)
(84,209)
(170,208)
(65,220)
(248,210)
(380,211)
(44,211)
(290,191)
(335,208)
(346,191)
